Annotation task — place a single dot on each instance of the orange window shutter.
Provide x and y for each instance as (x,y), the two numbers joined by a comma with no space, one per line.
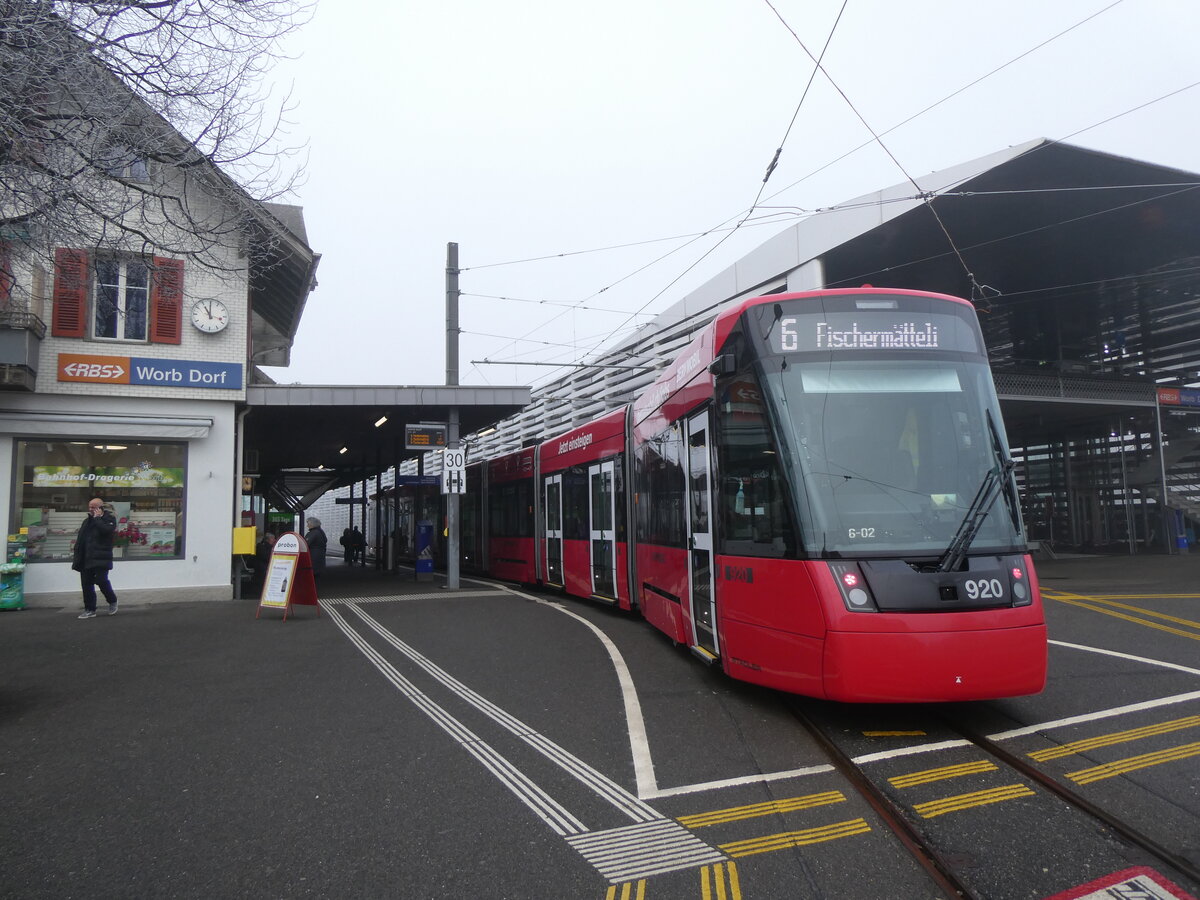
(6,275)
(166,301)
(69,316)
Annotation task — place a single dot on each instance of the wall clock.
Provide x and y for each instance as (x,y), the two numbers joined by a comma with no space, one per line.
(210,316)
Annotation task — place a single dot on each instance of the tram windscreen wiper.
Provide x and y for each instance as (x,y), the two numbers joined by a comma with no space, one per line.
(994,483)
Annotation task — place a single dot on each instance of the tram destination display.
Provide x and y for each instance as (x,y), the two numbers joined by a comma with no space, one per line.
(804,329)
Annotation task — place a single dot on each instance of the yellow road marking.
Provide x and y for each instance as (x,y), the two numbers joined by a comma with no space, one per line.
(627,891)
(1121,766)
(733,814)
(718,889)
(1119,737)
(893,734)
(967,801)
(1113,601)
(1128,596)
(1134,619)
(788,839)
(929,775)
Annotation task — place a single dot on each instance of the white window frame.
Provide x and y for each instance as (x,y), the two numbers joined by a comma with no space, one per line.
(122,300)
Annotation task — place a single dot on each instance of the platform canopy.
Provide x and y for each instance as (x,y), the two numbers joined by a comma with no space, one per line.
(303,440)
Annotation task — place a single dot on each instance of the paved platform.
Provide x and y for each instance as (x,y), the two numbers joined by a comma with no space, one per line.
(187,749)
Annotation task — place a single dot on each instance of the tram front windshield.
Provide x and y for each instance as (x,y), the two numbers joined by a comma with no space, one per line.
(882,420)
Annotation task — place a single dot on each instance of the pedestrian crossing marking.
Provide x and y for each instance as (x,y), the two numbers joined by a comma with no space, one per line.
(720,882)
(1121,766)
(784,840)
(630,890)
(1118,737)
(772,807)
(930,775)
(639,851)
(968,801)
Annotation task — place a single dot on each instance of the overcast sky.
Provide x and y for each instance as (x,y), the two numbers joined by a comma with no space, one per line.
(547,128)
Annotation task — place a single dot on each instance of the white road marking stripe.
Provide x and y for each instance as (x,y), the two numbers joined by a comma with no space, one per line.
(401,598)
(545,807)
(1094,716)
(737,782)
(639,743)
(1142,659)
(601,785)
(564,823)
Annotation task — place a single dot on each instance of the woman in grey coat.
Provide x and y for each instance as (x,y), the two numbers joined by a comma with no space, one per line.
(317,542)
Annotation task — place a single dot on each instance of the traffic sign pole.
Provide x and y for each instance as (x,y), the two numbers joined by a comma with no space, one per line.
(452,525)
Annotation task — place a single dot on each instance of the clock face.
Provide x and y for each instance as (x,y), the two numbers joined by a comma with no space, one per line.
(210,315)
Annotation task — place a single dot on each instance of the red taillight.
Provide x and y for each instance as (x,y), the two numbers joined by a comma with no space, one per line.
(1017,573)
(850,580)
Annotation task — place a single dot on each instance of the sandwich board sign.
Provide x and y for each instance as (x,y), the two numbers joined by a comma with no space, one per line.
(289,580)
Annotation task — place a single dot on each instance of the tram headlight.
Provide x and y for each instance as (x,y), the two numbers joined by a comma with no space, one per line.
(856,593)
(1022,595)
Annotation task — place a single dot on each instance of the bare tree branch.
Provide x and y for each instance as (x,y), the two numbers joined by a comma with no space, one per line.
(142,124)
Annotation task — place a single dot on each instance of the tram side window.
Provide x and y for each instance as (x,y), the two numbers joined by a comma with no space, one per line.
(661,490)
(510,506)
(752,498)
(575,504)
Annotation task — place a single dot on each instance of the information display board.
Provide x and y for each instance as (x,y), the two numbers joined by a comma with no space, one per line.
(289,580)
(424,437)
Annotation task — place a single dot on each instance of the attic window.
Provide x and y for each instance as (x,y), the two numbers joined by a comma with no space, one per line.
(120,161)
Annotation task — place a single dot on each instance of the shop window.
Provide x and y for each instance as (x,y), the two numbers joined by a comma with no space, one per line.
(144,483)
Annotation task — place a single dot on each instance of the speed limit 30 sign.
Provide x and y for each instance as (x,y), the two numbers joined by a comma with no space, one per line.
(454,470)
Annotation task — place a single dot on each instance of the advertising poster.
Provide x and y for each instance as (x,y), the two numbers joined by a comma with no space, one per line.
(280,576)
(289,581)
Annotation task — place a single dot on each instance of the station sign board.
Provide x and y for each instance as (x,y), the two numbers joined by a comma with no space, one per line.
(145,370)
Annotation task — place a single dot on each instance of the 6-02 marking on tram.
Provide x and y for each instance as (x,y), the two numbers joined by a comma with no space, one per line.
(860,533)
(984,588)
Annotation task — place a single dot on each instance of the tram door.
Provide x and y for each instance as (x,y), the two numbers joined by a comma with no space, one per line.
(602,512)
(554,570)
(700,545)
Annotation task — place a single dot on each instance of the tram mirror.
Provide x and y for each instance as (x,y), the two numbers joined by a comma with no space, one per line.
(725,364)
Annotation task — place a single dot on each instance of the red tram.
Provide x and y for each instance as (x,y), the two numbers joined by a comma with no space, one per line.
(816,495)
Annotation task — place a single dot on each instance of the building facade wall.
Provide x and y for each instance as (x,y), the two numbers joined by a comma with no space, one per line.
(202,570)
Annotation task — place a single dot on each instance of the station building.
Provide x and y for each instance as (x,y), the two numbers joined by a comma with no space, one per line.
(130,340)
(125,365)
(1084,268)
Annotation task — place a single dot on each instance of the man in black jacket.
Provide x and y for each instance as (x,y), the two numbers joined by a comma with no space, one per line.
(94,557)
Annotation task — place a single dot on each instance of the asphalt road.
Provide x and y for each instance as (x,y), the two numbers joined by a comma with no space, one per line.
(476,745)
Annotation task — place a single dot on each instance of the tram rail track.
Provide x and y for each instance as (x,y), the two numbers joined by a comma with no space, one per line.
(936,866)
(1128,832)
(940,867)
